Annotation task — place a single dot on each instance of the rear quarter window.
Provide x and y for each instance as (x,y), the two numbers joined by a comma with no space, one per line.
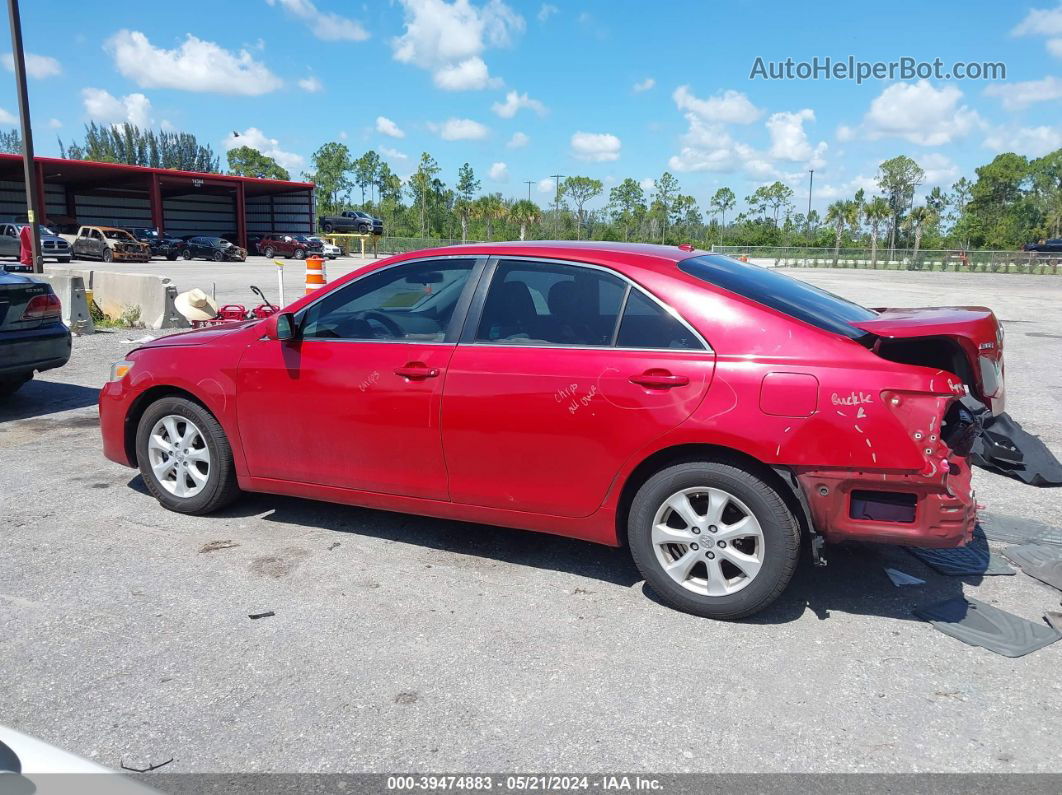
(782,293)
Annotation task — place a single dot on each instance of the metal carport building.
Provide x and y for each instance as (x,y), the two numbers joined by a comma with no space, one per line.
(175,202)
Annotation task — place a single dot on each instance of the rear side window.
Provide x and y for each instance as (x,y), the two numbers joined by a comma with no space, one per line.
(780,292)
(646,324)
(532,303)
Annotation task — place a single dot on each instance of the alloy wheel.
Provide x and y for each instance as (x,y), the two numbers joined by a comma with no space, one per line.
(179,456)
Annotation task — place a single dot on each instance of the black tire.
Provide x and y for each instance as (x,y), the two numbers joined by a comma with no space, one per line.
(364,229)
(186,254)
(221,487)
(781,538)
(300,253)
(328,228)
(268,253)
(10,384)
(172,256)
(108,255)
(64,260)
(218,256)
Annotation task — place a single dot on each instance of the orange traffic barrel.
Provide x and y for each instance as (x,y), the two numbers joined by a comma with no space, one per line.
(315,274)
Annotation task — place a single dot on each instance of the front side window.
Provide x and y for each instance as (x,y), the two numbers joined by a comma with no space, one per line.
(534,303)
(412,302)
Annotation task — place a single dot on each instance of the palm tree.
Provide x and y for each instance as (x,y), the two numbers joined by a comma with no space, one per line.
(841,214)
(490,208)
(524,212)
(723,200)
(918,219)
(876,211)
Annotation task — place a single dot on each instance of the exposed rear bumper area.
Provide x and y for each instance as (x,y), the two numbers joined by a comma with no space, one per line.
(915,510)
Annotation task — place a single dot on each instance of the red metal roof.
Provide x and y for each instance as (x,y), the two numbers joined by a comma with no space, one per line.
(90,168)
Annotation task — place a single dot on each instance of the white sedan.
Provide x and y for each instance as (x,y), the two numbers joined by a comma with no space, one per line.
(330,250)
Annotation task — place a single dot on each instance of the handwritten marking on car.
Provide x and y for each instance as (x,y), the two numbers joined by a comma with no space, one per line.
(575,404)
(854,399)
(564,393)
(371,379)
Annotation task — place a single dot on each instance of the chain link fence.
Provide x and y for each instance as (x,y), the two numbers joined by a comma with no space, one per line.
(898,259)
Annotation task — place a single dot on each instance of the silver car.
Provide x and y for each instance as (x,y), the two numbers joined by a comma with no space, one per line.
(52,246)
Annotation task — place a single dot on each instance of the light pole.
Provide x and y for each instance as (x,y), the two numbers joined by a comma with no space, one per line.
(556,204)
(811,184)
(528,183)
(28,166)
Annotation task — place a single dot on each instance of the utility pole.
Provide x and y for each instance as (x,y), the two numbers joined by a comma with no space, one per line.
(811,183)
(28,166)
(556,204)
(528,183)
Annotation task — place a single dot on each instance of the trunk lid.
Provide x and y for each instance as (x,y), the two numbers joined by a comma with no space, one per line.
(964,340)
(15,293)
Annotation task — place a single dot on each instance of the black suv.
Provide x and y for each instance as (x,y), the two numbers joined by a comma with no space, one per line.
(160,245)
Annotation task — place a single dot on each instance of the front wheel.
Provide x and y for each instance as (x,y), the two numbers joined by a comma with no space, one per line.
(268,253)
(300,253)
(364,229)
(328,228)
(108,255)
(218,256)
(186,254)
(713,539)
(185,457)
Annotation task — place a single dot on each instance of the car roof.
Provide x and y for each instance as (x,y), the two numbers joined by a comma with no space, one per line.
(650,256)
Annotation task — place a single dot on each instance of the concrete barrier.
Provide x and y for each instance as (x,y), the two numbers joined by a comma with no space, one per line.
(118,294)
(71,291)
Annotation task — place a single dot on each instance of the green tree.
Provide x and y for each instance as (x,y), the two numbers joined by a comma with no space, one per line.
(467,185)
(248,162)
(665,190)
(723,200)
(842,214)
(366,173)
(331,174)
(897,179)
(627,204)
(524,212)
(580,190)
(490,208)
(10,142)
(918,219)
(778,197)
(421,184)
(876,211)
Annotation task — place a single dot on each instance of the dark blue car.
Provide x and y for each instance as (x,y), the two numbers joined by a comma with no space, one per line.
(32,335)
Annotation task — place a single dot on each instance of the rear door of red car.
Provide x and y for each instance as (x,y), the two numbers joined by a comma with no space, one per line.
(547,395)
(354,401)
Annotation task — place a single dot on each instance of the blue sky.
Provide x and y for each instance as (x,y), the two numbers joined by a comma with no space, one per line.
(524,90)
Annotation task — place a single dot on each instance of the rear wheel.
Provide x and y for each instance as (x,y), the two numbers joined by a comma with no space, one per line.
(64,260)
(268,253)
(108,255)
(186,254)
(185,457)
(218,256)
(10,384)
(364,229)
(713,539)
(328,228)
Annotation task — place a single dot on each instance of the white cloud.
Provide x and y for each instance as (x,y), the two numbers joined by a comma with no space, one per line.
(1016,96)
(7,118)
(643,85)
(55,124)
(597,147)
(270,147)
(730,106)
(647,184)
(104,107)
(1046,22)
(323,24)
(921,114)
(311,84)
(845,133)
(518,141)
(448,39)
(546,185)
(545,11)
(940,170)
(196,65)
(514,102)
(385,126)
(38,66)
(394,154)
(499,172)
(343,135)
(1029,141)
(459,130)
(789,140)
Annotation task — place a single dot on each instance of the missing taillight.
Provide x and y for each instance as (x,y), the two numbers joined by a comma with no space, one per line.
(43,307)
(883,506)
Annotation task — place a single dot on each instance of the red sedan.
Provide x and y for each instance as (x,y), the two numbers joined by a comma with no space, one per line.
(706,412)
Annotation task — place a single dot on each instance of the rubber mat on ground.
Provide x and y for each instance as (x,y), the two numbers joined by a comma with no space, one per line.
(978,624)
(1040,561)
(1018,531)
(974,559)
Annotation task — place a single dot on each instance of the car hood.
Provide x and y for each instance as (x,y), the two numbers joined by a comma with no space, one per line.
(200,336)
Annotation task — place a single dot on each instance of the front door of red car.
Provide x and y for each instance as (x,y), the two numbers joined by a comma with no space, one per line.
(354,400)
(547,395)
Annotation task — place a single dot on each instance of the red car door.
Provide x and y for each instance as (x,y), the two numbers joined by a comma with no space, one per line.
(353,401)
(546,397)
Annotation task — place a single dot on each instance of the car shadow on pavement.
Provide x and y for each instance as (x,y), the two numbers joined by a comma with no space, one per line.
(37,398)
(518,547)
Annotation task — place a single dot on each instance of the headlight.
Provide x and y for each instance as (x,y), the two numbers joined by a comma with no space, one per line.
(120,369)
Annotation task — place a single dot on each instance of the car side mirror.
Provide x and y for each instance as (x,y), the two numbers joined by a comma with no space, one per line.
(285,327)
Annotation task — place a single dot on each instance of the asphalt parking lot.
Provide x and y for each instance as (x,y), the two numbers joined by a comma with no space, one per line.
(408,644)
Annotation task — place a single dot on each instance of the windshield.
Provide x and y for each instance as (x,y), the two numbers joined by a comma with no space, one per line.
(43,229)
(780,292)
(117,234)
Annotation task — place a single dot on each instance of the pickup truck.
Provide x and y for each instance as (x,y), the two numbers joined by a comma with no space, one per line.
(108,243)
(351,221)
(52,246)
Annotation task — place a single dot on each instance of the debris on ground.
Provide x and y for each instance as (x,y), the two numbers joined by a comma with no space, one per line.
(266,614)
(147,769)
(1040,561)
(974,559)
(139,340)
(1017,530)
(979,624)
(1005,448)
(902,578)
(333,545)
(214,546)
(1054,619)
